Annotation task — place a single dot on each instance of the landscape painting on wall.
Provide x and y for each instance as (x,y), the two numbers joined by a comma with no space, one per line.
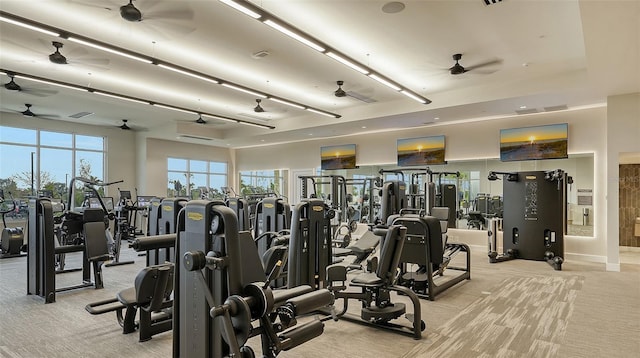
(338,157)
(421,151)
(534,143)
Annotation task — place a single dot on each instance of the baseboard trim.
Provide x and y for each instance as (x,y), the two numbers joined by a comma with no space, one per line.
(583,257)
(629,249)
(613,267)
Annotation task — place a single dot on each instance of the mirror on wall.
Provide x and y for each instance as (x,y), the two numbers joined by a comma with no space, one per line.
(475,193)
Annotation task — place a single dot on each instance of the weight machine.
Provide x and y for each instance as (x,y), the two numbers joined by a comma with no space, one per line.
(535,205)
(310,249)
(220,294)
(41,272)
(12,239)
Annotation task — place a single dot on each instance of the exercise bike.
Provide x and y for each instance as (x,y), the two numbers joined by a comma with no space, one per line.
(12,239)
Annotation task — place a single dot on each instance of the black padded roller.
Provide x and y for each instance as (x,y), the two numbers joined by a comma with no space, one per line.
(300,334)
(310,302)
(153,242)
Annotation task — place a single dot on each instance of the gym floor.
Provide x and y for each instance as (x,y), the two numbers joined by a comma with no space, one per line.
(511,309)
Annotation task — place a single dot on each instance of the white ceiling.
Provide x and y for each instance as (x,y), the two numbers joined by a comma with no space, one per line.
(550,53)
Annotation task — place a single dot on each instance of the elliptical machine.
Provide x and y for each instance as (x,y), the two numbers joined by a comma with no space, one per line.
(12,239)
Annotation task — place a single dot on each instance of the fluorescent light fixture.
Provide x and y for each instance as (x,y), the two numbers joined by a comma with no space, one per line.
(253,124)
(321,112)
(173,108)
(294,35)
(121,97)
(28,26)
(241,8)
(220,118)
(108,49)
(50,83)
(229,85)
(174,69)
(348,63)
(413,96)
(384,82)
(286,102)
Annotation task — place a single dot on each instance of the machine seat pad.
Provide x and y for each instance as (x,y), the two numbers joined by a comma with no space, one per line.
(367,279)
(339,251)
(127,296)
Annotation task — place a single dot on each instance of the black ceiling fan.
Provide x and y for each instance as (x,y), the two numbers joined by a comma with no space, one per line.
(13,86)
(57,57)
(340,92)
(458,69)
(28,113)
(124,125)
(200,120)
(130,13)
(258,108)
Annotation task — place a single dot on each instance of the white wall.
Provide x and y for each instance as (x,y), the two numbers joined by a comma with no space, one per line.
(464,141)
(623,136)
(120,163)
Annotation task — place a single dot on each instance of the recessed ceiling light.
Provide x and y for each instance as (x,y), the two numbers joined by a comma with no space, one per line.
(392,7)
(363,127)
(310,133)
(436,118)
(523,107)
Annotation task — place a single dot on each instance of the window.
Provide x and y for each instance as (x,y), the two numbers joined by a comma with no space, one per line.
(34,160)
(195,179)
(264,182)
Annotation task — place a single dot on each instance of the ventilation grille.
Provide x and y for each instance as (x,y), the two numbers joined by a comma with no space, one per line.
(556,108)
(194,137)
(80,115)
(491,2)
(526,111)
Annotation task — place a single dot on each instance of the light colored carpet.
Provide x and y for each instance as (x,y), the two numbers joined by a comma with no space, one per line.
(523,316)
(512,309)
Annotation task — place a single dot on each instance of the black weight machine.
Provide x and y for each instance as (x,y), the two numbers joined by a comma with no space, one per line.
(219,295)
(241,207)
(150,298)
(377,308)
(427,246)
(166,224)
(41,258)
(12,239)
(446,195)
(272,220)
(310,249)
(535,204)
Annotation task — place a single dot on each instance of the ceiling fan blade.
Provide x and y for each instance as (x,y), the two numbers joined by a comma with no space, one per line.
(176,14)
(38,92)
(493,62)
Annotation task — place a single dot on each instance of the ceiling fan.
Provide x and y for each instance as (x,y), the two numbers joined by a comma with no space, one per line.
(131,13)
(258,108)
(458,69)
(124,125)
(13,86)
(200,120)
(342,93)
(28,113)
(57,57)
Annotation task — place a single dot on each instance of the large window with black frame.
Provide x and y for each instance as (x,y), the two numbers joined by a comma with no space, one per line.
(196,179)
